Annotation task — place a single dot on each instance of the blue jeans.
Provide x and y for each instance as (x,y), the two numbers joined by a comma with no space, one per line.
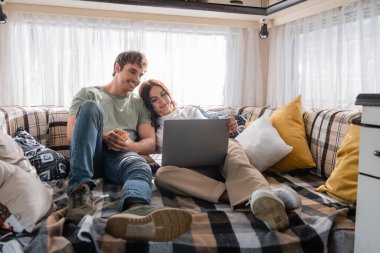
(89,154)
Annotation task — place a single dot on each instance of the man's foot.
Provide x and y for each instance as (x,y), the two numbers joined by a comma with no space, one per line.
(289,196)
(79,203)
(149,223)
(266,206)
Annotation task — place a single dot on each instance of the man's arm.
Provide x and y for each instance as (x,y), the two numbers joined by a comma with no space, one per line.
(70,125)
(147,143)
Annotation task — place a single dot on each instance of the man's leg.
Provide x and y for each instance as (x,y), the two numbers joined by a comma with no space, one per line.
(132,172)
(86,145)
(140,221)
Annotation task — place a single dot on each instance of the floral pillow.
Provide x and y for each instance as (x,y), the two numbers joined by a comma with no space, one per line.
(49,164)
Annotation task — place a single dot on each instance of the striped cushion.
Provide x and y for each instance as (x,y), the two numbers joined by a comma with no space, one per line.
(33,119)
(57,130)
(325,130)
(252,112)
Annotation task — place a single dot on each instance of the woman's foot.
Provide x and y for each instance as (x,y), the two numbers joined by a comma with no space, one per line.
(270,209)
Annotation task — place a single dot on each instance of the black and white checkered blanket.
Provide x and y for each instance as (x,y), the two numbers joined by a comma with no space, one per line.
(320,225)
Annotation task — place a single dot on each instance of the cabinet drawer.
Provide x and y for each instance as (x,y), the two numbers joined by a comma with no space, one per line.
(371,115)
(367,216)
(369,163)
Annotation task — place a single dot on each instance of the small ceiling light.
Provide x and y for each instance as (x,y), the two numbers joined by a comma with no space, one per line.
(263,34)
(3,17)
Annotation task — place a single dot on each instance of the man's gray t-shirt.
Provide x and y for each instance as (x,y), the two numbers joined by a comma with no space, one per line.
(119,112)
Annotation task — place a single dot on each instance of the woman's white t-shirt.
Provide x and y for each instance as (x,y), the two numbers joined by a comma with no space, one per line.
(188,112)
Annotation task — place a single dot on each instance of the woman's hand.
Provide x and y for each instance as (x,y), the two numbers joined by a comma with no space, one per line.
(232,124)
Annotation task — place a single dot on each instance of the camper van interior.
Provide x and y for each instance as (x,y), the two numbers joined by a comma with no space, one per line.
(299,80)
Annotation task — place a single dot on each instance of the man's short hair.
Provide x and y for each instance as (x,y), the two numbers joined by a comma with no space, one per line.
(131,57)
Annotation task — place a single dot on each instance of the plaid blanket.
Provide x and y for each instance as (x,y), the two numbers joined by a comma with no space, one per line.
(320,225)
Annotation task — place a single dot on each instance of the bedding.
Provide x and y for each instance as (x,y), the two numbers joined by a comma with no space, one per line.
(317,226)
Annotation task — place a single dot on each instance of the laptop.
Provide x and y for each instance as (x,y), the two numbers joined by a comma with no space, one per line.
(195,142)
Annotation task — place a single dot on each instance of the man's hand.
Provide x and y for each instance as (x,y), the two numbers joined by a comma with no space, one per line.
(118,140)
(232,124)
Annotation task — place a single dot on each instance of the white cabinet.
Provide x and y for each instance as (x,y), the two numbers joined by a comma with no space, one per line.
(367,227)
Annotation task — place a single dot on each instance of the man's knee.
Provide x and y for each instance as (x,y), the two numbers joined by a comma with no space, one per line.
(136,165)
(90,107)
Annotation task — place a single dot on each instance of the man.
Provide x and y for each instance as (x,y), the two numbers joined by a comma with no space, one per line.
(108,127)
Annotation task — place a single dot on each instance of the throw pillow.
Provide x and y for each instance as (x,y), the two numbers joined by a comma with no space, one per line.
(24,198)
(262,144)
(49,164)
(288,121)
(11,153)
(343,181)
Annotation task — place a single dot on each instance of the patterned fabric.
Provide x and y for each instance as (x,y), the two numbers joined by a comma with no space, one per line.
(253,113)
(49,164)
(325,130)
(33,119)
(4,214)
(58,130)
(215,227)
(240,119)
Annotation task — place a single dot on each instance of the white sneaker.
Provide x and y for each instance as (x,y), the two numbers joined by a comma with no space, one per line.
(289,197)
(266,206)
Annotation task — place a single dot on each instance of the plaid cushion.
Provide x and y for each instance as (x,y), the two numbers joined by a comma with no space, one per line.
(252,113)
(57,130)
(325,130)
(33,119)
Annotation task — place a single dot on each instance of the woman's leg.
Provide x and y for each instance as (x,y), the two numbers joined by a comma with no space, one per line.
(187,182)
(241,177)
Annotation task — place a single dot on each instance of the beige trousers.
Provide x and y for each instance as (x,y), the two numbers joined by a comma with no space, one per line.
(241,179)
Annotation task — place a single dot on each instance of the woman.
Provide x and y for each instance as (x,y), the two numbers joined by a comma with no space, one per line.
(243,182)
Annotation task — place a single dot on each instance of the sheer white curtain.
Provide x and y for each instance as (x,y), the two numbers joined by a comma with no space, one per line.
(244,82)
(45,58)
(328,58)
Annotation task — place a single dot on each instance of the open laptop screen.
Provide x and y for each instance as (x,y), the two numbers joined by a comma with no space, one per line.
(195,142)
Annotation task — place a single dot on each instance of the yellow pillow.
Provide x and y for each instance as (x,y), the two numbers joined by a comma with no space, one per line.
(343,181)
(288,121)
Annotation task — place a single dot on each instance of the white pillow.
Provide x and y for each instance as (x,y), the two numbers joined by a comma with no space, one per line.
(21,190)
(262,144)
